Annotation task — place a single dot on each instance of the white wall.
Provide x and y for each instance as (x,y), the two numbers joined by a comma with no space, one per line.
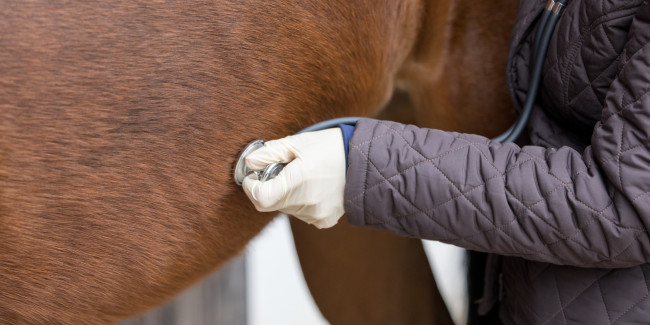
(277,292)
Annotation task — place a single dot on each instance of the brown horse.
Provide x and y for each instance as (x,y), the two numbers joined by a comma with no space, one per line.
(120,122)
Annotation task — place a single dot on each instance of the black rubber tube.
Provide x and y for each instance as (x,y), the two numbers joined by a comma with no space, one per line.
(330,124)
(541,44)
(535,79)
(543,21)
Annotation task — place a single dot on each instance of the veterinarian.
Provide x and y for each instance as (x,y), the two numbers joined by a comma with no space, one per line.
(565,219)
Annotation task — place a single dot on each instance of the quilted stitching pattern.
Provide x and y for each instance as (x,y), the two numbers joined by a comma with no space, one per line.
(562,206)
(562,294)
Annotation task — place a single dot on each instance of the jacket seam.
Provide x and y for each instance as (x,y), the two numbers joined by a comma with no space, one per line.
(591,82)
(586,29)
(632,306)
(623,105)
(602,297)
(562,307)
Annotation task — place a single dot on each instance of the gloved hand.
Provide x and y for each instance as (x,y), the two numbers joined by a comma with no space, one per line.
(311,186)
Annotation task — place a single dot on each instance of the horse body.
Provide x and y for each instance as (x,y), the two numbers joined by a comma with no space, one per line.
(120,123)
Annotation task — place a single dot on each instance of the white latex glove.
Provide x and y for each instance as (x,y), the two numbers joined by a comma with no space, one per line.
(311,186)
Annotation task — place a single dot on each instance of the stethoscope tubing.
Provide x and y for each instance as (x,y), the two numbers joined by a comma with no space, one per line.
(549,18)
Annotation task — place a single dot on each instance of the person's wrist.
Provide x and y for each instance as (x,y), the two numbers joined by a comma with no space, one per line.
(346,131)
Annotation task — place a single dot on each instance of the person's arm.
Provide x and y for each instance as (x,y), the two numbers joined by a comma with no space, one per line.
(589,209)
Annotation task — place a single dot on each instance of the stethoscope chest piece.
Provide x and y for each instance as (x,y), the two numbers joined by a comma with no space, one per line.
(241,170)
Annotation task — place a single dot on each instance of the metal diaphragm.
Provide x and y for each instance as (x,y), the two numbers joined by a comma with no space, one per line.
(241,170)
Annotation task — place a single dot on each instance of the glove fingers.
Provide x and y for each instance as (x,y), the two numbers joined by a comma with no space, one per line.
(272,152)
(311,185)
(272,194)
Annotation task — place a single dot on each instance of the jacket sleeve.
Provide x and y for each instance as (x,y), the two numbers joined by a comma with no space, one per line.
(589,209)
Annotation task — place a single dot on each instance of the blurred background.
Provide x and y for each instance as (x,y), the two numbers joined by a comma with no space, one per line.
(266,287)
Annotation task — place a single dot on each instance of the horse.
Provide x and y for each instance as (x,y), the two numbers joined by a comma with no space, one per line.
(120,123)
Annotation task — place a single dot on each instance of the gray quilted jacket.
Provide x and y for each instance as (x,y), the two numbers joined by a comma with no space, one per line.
(570,214)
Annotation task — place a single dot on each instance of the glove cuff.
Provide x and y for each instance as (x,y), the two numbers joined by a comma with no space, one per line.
(347,131)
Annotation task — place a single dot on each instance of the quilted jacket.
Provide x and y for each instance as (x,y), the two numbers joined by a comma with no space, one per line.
(569,215)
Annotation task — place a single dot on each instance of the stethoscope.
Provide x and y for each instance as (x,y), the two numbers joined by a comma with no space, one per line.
(548,20)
